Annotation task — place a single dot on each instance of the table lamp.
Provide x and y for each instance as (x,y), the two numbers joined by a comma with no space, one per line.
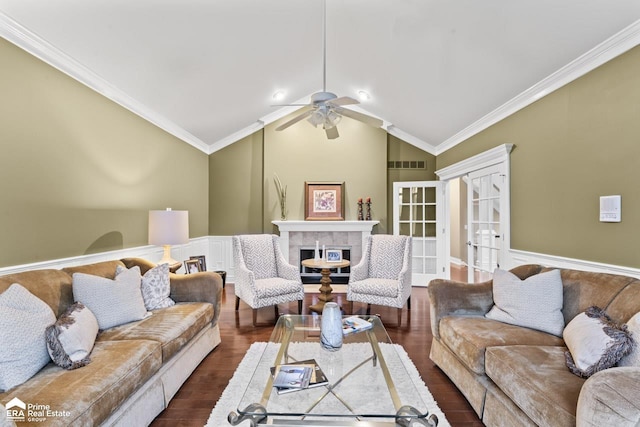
(168,228)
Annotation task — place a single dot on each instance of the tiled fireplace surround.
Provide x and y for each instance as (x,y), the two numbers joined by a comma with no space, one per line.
(333,234)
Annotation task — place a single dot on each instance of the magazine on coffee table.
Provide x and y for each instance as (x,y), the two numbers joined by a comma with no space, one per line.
(318,378)
(355,324)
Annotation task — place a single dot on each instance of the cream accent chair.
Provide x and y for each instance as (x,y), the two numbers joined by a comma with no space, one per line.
(262,276)
(383,275)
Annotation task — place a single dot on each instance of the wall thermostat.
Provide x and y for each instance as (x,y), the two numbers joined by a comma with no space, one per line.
(610,209)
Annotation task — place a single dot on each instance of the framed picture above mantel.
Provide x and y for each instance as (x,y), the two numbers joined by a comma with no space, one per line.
(324,201)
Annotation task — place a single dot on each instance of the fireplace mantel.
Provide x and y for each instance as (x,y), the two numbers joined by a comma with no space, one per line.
(362,226)
(286,227)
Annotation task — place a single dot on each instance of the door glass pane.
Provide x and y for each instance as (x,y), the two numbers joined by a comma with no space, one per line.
(405,212)
(405,195)
(430,212)
(405,229)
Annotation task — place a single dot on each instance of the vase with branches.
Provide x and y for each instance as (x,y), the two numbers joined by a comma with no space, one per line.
(282,196)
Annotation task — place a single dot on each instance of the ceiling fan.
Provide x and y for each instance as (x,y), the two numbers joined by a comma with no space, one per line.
(325,107)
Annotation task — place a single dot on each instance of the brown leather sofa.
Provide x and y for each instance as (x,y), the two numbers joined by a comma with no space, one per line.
(515,376)
(135,368)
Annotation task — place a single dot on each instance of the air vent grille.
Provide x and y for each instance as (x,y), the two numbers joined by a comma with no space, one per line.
(407,164)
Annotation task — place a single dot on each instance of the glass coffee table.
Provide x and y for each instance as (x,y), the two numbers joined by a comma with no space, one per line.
(368,384)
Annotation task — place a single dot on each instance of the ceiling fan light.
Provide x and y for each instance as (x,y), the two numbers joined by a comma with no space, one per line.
(333,119)
(317,118)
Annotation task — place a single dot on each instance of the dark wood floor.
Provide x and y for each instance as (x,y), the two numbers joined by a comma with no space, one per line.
(194,401)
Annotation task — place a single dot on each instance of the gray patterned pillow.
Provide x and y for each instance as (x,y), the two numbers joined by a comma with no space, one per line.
(155,287)
(535,302)
(595,342)
(633,358)
(70,340)
(23,350)
(113,302)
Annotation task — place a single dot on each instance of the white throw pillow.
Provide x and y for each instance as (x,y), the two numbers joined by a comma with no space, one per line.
(23,349)
(535,302)
(113,302)
(595,342)
(70,340)
(633,358)
(155,287)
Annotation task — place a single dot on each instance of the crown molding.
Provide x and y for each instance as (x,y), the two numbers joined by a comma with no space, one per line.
(410,139)
(235,137)
(15,33)
(614,46)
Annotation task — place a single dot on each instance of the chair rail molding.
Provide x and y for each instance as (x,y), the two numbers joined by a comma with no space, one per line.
(519,257)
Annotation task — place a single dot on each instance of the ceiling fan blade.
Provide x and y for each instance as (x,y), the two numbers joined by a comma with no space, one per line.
(290,105)
(343,100)
(371,121)
(332,133)
(295,120)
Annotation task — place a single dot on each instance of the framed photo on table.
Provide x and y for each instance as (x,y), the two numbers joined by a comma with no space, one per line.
(192,266)
(334,255)
(324,201)
(201,259)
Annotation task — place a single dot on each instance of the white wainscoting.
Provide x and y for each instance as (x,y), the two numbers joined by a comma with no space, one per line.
(218,251)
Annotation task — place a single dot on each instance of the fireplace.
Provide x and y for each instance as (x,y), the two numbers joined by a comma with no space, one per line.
(296,236)
(312,275)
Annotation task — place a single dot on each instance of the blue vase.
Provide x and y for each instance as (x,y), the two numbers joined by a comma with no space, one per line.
(331,327)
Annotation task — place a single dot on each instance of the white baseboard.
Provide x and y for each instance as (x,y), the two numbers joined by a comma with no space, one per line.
(457,261)
(523,257)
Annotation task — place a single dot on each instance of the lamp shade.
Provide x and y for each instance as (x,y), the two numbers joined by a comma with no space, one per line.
(168,227)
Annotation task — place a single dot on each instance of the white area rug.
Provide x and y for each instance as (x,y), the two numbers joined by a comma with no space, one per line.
(375,382)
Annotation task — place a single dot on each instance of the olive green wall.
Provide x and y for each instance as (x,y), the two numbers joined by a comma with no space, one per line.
(235,182)
(303,153)
(398,149)
(78,173)
(571,147)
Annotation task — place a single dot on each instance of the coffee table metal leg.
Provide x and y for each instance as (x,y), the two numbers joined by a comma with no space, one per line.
(408,416)
(255,413)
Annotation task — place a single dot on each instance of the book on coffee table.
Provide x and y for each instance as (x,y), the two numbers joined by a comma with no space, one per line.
(355,324)
(292,376)
(318,378)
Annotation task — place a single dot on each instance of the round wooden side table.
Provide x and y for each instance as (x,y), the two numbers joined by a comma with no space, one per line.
(325,282)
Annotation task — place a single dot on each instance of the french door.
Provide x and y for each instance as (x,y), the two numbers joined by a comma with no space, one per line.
(418,211)
(487,205)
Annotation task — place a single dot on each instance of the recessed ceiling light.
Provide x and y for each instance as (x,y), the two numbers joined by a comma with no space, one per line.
(364,95)
(279,95)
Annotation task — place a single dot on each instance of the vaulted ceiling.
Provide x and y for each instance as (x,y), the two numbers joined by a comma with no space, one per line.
(437,71)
